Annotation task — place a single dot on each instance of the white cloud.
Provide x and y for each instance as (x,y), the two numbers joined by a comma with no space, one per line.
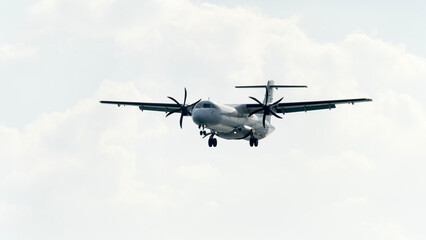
(43,7)
(348,159)
(391,231)
(11,214)
(203,172)
(13,52)
(52,7)
(356,200)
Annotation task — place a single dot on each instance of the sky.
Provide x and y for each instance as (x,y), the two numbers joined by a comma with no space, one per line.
(73,168)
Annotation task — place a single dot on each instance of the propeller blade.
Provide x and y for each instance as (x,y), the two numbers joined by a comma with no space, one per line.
(256,100)
(263,121)
(171,112)
(174,100)
(276,115)
(256,111)
(275,103)
(180,121)
(266,96)
(194,103)
(184,98)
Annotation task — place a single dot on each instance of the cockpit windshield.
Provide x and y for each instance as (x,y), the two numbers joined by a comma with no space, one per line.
(205,105)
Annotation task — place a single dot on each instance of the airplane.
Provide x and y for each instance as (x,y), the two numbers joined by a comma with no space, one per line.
(251,121)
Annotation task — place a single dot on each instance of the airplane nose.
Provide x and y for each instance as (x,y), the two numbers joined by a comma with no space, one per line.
(201,117)
(197,118)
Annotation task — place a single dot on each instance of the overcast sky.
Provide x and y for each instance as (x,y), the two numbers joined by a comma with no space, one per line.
(71,168)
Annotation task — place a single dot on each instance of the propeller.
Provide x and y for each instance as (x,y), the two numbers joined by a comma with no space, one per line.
(183,108)
(266,108)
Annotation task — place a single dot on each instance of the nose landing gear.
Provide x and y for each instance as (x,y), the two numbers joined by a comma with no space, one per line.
(202,132)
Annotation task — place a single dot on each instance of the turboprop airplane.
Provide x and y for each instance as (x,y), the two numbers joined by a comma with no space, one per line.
(251,121)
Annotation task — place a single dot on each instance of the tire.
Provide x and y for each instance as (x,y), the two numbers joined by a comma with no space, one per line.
(256,142)
(251,142)
(214,142)
(210,142)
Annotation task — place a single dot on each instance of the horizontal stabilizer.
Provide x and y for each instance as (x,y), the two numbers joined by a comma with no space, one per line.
(273,86)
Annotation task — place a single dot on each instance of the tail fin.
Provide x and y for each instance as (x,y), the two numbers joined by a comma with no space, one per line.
(269,93)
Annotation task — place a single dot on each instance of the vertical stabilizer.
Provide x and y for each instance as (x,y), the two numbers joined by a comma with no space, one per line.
(269,93)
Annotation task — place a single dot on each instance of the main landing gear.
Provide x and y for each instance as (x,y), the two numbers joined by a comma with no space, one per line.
(212,142)
(254,142)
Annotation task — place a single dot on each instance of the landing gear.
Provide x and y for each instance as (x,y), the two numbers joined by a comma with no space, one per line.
(202,132)
(212,142)
(254,142)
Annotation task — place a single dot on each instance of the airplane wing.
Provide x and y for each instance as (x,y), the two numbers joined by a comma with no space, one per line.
(308,106)
(315,105)
(159,107)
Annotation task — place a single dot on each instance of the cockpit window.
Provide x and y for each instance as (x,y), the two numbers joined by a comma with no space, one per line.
(205,105)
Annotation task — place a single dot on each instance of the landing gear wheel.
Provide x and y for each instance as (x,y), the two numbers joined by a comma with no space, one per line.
(212,142)
(254,142)
(201,133)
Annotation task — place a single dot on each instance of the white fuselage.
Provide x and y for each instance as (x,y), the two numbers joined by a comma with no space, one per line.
(230,122)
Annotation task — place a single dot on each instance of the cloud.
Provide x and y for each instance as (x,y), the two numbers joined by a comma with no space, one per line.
(201,172)
(345,160)
(16,52)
